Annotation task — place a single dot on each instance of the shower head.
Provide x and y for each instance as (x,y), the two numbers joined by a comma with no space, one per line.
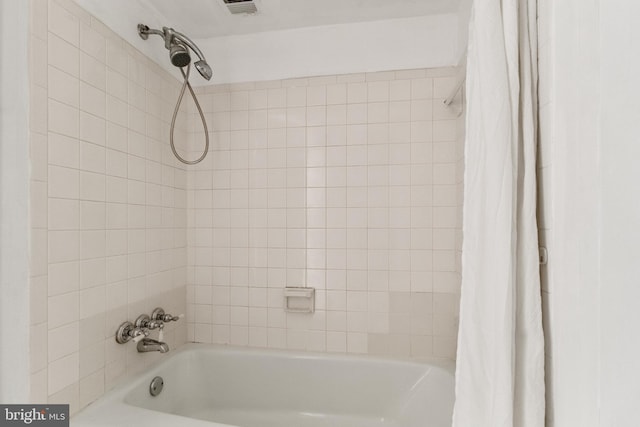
(179,45)
(179,54)
(204,69)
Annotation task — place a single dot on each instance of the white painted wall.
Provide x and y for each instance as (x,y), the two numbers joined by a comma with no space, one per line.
(570,212)
(590,64)
(427,41)
(420,42)
(211,18)
(464,15)
(620,213)
(14,199)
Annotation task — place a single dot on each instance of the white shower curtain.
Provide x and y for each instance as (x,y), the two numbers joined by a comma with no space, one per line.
(500,362)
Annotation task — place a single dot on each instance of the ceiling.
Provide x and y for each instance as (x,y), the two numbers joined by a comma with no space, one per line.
(210,18)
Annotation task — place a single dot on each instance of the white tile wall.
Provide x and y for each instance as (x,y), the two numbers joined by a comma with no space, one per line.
(108,203)
(349,184)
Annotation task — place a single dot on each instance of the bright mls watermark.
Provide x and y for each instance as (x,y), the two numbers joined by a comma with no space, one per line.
(34,415)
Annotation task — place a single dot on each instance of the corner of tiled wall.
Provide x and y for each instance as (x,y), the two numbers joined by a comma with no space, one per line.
(38,333)
(349,184)
(108,203)
(459,156)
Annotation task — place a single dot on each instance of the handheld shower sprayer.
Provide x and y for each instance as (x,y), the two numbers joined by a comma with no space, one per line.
(179,47)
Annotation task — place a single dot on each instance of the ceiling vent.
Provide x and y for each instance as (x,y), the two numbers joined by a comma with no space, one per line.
(241,6)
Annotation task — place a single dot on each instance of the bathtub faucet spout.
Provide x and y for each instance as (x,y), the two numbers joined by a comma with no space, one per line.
(148,344)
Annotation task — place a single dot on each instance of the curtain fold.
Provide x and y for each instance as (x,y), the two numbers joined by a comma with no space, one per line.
(500,361)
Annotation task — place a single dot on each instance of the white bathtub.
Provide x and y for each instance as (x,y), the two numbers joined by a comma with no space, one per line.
(207,385)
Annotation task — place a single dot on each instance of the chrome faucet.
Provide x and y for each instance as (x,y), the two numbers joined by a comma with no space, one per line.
(139,331)
(146,345)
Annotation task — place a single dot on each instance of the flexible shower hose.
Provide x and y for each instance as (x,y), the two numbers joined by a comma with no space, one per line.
(186,85)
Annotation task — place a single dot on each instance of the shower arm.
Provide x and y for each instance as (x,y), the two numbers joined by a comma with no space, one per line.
(168,34)
(144,31)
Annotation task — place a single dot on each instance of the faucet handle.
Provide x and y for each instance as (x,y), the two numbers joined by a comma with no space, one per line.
(128,331)
(144,321)
(140,333)
(170,318)
(161,333)
(159,314)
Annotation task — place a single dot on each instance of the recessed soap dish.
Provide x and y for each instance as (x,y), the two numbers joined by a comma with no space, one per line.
(299,300)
